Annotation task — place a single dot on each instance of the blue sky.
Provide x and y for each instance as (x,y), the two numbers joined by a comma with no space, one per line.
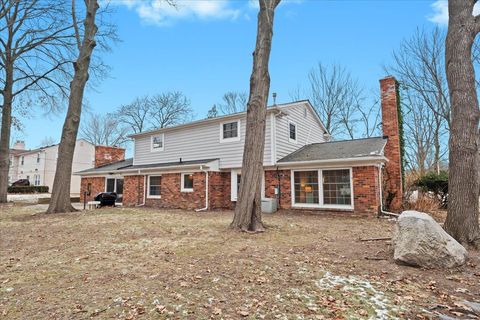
(204,49)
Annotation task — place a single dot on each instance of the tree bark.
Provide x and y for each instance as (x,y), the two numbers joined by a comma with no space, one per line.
(60,200)
(5,133)
(248,214)
(464,180)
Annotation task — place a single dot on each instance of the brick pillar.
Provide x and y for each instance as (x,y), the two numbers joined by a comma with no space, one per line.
(106,155)
(393,187)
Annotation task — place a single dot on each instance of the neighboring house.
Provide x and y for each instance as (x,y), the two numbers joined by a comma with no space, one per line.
(39,165)
(198,165)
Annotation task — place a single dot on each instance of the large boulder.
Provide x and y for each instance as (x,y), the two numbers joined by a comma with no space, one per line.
(420,241)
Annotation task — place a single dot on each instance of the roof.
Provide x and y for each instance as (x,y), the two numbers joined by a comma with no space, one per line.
(127,165)
(346,149)
(18,152)
(276,107)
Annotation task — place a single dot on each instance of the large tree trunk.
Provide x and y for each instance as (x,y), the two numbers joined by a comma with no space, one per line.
(464,180)
(248,214)
(60,201)
(5,133)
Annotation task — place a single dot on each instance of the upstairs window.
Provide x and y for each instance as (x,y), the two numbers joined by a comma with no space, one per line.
(230,131)
(23,160)
(187,182)
(38,157)
(157,142)
(292,132)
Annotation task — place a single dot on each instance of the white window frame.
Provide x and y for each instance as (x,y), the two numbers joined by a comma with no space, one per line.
(296,131)
(321,204)
(149,196)
(237,138)
(234,180)
(152,149)
(115,177)
(182,182)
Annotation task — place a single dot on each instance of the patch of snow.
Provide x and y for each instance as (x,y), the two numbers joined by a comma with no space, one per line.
(363,288)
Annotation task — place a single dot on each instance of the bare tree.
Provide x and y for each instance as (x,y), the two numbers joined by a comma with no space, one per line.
(419,64)
(464,158)
(212,112)
(34,51)
(47,141)
(135,115)
(233,102)
(169,109)
(104,130)
(60,200)
(248,214)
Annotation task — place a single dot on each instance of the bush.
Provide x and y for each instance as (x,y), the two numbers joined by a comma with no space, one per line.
(435,183)
(28,189)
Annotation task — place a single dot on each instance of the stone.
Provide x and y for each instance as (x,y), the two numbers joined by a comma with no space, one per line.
(421,242)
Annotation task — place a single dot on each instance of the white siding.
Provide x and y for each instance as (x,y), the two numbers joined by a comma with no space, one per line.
(308,130)
(199,142)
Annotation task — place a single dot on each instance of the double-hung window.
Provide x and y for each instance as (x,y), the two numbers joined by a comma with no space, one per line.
(157,142)
(154,186)
(230,131)
(292,132)
(187,182)
(328,188)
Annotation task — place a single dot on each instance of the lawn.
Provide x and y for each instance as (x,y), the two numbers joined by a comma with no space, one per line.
(144,263)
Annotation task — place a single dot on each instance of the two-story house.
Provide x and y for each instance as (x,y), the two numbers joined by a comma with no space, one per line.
(198,165)
(39,165)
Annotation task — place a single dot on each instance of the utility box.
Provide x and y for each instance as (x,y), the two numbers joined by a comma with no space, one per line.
(269,205)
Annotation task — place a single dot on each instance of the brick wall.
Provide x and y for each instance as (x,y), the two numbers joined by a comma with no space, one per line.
(366,194)
(219,193)
(271,182)
(393,192)
(133,190)
(173,198)
(105,155)
(97,186)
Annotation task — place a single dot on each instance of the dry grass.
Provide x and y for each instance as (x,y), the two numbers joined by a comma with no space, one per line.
(140,263)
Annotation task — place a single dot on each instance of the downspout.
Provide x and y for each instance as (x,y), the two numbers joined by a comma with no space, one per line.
(144,189)
(206,190)
(381,211)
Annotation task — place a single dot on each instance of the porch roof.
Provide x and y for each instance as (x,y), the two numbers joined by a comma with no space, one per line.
(127,166)
(356,149)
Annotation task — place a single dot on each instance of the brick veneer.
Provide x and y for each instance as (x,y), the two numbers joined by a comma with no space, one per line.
(105,155)
(393,192)
(133,190)
(366,190)
(271,182)
(97,186)
(219,192)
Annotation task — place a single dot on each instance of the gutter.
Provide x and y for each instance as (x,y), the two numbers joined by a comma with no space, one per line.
(333,161)
(206,190)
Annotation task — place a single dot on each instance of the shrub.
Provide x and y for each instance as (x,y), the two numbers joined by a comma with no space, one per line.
(435,183)
(28,189)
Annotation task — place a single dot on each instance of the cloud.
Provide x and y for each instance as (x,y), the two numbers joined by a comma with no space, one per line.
(159,12)
(440,12)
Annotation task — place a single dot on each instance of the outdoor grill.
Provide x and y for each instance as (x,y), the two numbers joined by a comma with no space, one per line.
(106,198)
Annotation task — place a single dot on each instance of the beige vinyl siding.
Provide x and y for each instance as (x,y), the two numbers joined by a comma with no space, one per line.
(199,142)
(308,130)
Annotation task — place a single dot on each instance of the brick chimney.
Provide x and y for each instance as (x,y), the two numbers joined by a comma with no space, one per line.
(19,145)
(105,155)
(392,181)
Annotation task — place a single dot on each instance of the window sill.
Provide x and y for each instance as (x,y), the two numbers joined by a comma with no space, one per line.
(326,207)
(187,190)
(154,197)
(227,140)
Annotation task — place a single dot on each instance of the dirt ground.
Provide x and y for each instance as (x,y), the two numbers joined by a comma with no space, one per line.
(151,264)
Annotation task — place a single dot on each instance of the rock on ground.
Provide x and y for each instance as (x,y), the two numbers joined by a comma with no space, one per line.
(420,241)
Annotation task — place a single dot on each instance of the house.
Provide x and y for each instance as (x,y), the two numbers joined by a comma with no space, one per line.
(198,165)
(39,165)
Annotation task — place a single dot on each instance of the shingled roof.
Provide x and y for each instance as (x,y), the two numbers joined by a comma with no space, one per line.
(345,149)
